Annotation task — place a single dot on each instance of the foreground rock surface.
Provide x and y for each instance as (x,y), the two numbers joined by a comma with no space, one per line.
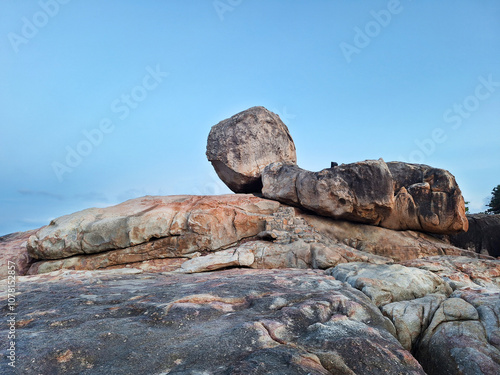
(464,335)
(228,322)
(460,271)
(390,283)
(457,333)
(240,147)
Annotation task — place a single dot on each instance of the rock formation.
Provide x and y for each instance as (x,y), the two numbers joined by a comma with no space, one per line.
(320,282)
(253,152)
(203,233)
(394,195)
(427,199)
(13,249)
(483,235)
(361,192)
(229,322)
(240,147)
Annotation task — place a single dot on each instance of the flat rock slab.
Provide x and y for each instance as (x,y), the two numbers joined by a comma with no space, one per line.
(237,321)
(397,245)
(204,233)
(185,223)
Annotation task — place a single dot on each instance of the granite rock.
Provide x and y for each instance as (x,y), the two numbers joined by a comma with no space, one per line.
(243,321)
(240,147)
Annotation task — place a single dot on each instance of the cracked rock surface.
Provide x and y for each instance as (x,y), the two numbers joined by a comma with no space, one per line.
(390,282)
(227,322)
(448,332)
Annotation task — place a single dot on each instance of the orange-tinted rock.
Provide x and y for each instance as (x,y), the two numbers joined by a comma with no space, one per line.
(395,195)
(427,199)
(361,192)
(189,224)
(397,245)
(13,252)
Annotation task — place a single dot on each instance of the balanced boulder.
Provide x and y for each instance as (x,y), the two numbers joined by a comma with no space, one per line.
(240,147)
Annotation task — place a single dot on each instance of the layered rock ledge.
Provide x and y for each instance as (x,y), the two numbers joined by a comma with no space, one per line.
(201,233)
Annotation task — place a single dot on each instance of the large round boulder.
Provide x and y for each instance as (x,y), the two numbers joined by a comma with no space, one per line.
(240,147)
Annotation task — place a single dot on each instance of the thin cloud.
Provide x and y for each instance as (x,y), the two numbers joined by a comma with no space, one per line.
(41,193)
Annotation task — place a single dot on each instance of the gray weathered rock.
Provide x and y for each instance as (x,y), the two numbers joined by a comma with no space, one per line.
(386,283)
(361,192)
(460,271)
(228,322)
(458,342)
(240,147)
(411,318)
(487,304)
(483,235)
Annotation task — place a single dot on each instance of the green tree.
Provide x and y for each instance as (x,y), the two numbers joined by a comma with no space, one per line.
(494,205)
(467,207)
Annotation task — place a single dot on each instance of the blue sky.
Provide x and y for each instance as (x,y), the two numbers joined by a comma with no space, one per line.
(102,101)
